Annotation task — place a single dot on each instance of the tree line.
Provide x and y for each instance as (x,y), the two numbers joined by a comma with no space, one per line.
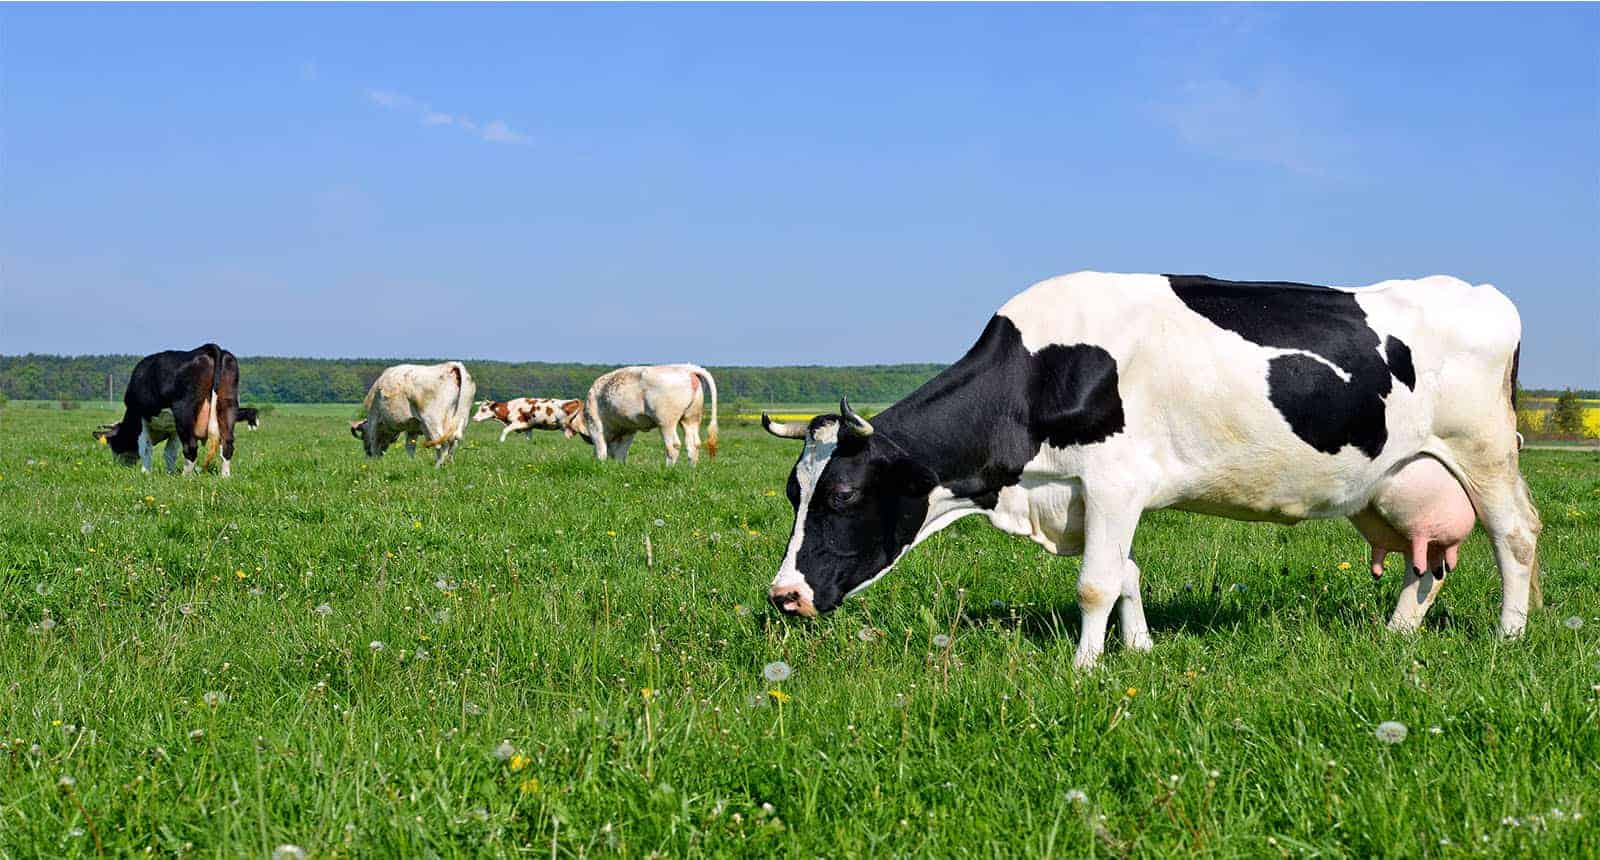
(270,379)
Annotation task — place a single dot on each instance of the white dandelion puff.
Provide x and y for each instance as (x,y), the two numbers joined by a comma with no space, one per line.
(324,609)
(41,589)
(777,671)
(215,698)
(1391,732)
(1435,730)
(197,734)
(375,645)
(505,750)
(866,634)
(443,585)
(1573,623)
(422,654)
(66,783)
(1077,795)
(659,522)
(287,851)
(941,640)
(47,624)
(87,527)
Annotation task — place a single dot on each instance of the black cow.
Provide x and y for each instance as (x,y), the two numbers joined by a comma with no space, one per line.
(249,415)
(198,388)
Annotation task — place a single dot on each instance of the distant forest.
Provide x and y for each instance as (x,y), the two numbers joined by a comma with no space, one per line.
(264,379)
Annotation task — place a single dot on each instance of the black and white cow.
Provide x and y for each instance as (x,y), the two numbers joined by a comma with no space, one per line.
(184,395)
(1092,398)
(249,415)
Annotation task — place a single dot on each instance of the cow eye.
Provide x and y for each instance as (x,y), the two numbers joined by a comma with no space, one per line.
(843,497)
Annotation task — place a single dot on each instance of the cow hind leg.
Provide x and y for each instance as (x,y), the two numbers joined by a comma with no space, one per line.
(691,440)
(411,445)
(619,448)
(170,453)
(1506,510)
(145,446)
(669,438)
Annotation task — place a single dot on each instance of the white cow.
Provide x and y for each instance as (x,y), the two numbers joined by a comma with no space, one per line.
(433,401)
(630,399)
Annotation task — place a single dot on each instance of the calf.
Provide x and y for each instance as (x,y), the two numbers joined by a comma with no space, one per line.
(178,395)
(630,399)
(526,414)
(1092,398)
(249,415)
(431,401)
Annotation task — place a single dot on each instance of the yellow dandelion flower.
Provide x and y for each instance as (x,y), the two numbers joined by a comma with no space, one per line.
(416,524)
(772,492)
(1344,565)
(754,533)
(518,762)
(646,692)
(611,533)
(240,574)
(1132,691)
(149,500)
(529,786)
(780,695)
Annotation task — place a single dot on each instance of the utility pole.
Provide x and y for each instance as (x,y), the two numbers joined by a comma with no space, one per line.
(109,398)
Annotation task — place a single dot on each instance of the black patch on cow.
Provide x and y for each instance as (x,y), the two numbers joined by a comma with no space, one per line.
(1325,411)
(1516,359)
(972,429)
(980,421)
(1399,357)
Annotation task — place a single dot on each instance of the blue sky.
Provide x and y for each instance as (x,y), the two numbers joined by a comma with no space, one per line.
(768,185)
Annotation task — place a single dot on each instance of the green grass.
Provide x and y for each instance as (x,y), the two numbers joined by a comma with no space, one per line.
(1248,731)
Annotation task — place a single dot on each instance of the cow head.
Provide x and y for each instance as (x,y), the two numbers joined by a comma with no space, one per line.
(572,421)
(859,501)
(485,411)
(358,429)
(124,445)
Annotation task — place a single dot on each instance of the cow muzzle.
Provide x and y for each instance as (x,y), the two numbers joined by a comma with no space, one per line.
(791,601)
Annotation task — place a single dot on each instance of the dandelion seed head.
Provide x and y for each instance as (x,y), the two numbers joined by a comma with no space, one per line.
(375,645)
(66,783)
(41,589)
(777,671)
(324,609)
(47,623)
(866,634)
(214,698)
(658,522)
(1391,732)
(287,851)
(1077,795)
(941,640)
(1573,623)
(504,750)
(197,734)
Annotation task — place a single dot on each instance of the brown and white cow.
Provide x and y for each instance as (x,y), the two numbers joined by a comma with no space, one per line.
(431,401)
(526,414)
(181,396)
(630,399)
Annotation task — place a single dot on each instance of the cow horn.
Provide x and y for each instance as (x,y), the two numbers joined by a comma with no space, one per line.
(851,421)
(781,429)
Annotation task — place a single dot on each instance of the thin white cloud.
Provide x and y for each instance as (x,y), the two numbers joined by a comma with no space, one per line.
(494,131)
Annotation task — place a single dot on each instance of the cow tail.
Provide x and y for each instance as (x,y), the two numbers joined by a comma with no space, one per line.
(213,433)
(711,386)
(457,417)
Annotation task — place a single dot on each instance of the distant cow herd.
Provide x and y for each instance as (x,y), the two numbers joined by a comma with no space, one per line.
(1088,400)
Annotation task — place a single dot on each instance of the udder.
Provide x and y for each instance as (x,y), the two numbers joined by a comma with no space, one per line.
(1422,512)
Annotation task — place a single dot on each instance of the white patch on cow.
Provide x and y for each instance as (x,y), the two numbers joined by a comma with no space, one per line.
(819,449)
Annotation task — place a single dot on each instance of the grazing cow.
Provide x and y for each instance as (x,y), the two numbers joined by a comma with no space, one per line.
(178,395)
(431,401)
(630,399)
(526,414)
(250,415)
(1092,398)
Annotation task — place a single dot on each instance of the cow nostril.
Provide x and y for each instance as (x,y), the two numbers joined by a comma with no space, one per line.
(788,597)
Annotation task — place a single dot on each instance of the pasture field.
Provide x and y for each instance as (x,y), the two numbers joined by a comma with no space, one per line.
(530,652)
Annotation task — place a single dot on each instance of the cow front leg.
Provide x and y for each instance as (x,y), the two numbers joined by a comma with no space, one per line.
(507,431)
(619,448)
(411,445)
(145,446)
(1108,540)
(1130,609)
(170,453)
